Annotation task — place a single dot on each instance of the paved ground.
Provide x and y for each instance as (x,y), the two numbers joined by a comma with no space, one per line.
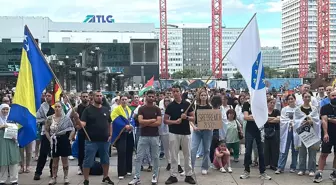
(213,178)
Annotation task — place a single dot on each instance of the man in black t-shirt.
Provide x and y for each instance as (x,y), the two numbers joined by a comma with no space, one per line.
(96,120)
(81,135)
(328,136)
(252,133)
(233,100)
(179,134)
(149,116)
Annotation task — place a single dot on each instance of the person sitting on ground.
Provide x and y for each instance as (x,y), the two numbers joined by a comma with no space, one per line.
(222,158)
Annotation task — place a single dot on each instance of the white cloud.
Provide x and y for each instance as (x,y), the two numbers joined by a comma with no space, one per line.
(274,6)
(270,37)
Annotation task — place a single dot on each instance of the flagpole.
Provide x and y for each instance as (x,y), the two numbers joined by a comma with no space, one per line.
(213,72)
(56,79)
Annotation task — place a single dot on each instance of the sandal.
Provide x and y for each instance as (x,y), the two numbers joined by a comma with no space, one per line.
(21,171)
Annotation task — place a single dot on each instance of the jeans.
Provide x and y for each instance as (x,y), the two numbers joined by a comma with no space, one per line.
(204,137)
(200,151)
(303,158)
(44,152)
(145,143)
(125,146)
(175,141)
(91,149)
(283,156)
(249,138)
(81,149)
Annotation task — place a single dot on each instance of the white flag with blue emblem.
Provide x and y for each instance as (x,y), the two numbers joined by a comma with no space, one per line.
(245,55)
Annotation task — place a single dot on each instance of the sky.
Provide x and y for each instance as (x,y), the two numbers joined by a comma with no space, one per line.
(236,13)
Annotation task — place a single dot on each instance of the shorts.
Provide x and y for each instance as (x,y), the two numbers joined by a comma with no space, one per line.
(326,147)
(91,149)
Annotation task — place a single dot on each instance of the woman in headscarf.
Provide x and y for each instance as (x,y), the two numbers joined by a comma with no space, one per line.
(9,152)
(308,115)
(60,132)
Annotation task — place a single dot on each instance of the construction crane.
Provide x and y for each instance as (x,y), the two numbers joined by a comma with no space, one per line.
(323,65)
(216,38)
(163,40)
(322,62)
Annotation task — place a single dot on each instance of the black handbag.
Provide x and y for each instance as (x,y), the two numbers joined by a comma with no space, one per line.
(269,132)
(240,133)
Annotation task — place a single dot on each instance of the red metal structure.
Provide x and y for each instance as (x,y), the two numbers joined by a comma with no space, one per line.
(322,65)
(303,39)
(216,30)
(163,40)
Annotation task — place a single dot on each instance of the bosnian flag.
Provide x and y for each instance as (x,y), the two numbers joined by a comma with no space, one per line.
(149,85)
(245,55)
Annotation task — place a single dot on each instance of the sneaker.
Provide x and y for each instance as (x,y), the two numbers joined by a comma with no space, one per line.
(135,181)
(129,174)
(222,169)
(171,180)
(278,171)
(179,168)
(161,156)
(204,172)
(149,169)
(121,177)
(37,177)
(245,175)
(86,182)
(292,170)
(332,176)
(318,177)
(154,180)
(168,167)
(66,181)
(52,181)
(311,174)
(229,169)
(190,180)
(79,171)
(301,173)
(265,176)
(71,158)
(107,180)
(236,160)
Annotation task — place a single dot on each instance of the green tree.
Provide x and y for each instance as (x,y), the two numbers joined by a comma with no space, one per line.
(271,72)
(312,67)
(186,73)
(291,73)
(237,75)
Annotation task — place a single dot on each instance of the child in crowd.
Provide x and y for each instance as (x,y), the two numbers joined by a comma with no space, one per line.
(222,158)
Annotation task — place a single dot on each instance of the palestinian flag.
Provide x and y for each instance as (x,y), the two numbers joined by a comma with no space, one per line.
(57,93)
(149,85)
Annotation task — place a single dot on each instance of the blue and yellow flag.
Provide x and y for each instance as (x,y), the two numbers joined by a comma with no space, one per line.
(34,76)
(119,121)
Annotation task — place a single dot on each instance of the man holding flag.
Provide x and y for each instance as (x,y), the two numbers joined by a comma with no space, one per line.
(250,66)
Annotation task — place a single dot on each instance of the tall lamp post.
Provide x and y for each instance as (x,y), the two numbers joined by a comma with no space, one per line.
(96,68)
(78,68)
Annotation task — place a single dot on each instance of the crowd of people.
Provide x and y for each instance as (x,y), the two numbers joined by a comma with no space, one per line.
(166,127)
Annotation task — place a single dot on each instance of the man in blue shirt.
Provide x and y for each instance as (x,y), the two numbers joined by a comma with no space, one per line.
(326,100)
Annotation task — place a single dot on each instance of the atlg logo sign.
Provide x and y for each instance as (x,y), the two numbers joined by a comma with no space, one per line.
(99,19)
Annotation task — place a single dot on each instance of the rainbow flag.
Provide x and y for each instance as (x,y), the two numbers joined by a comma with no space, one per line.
(34,76)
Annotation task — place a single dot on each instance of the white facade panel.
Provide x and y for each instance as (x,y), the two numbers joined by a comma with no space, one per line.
(175,52)
(97,37)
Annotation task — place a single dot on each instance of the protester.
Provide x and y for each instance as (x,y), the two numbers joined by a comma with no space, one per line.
(179,134)
(222,158)
(95,119)
(149,119)
(9,153)
(60,131)
(306,114)
(287,136)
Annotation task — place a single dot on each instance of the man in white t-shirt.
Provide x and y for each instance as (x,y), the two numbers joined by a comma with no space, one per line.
(299,101)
